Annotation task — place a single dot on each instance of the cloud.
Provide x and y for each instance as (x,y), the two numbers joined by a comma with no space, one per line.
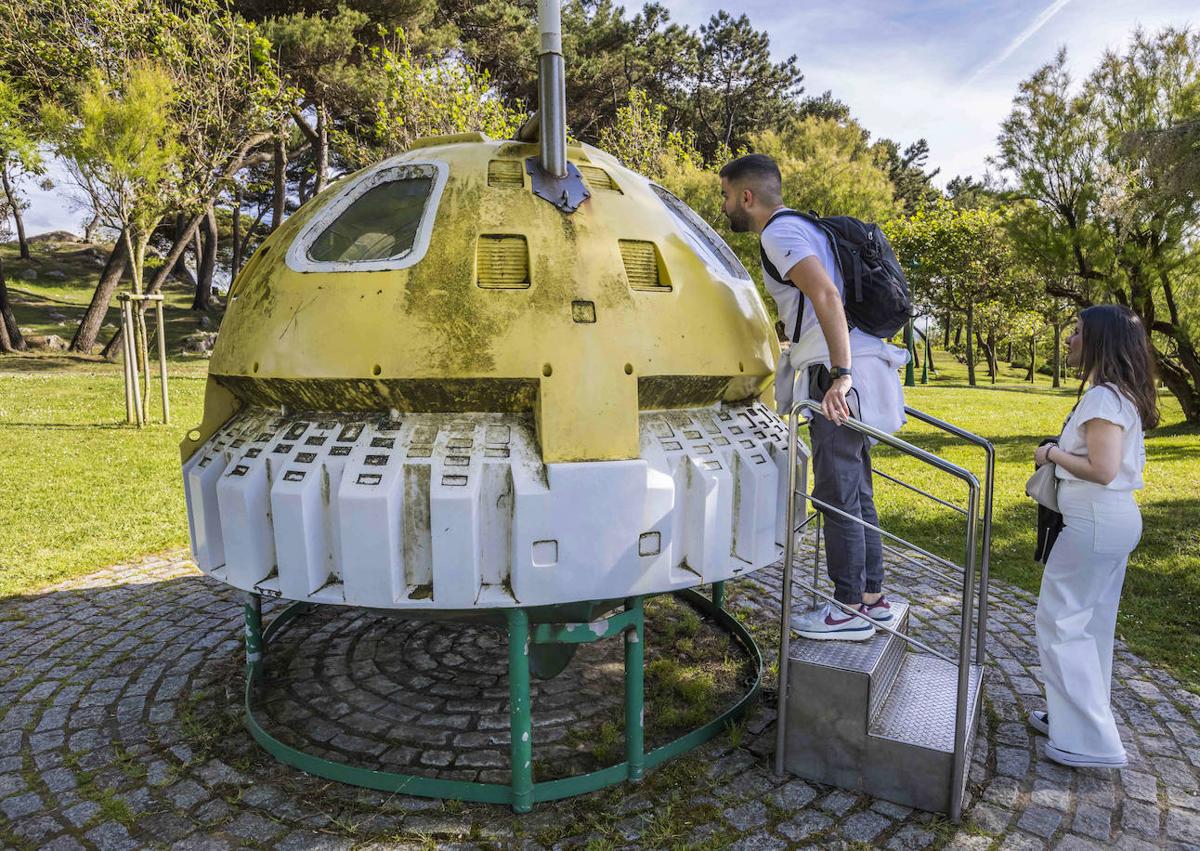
(1029,32)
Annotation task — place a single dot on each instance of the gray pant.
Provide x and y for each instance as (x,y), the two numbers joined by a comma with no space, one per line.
(842,478)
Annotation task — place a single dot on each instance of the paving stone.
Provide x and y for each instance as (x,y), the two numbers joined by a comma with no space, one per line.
(1184,825)
(911,837)
(1041,821)
(1140,818)
(1047,794)
(864,826)
(36,830)
(762,841)
(63,843)
(803,826)
(185,794)
(11,784)
(1018,841)
(1143,787)
(748,816)
(838,802)
(254,828)
(1072,842)
(21,805)
(990,818)
(110,836)
(793,795)
(1093,821)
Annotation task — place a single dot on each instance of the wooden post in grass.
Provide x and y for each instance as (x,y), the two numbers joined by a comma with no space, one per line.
(129,343)
(162,356)
(134,328)
(127,364)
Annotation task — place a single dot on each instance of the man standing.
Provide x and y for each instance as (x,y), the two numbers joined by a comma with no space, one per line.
(809,291)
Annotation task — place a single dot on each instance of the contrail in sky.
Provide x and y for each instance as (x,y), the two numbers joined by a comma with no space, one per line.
(1040,21)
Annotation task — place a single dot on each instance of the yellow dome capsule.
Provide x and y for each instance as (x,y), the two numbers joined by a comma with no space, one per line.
(438,282)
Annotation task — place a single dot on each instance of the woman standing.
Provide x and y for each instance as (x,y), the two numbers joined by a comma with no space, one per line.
(1099,456)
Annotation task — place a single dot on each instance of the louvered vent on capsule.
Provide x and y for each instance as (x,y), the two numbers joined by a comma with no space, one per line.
(506,173)
(598,178)
(502,262)
(642,265)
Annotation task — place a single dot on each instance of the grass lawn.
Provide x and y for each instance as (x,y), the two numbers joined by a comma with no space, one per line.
(1156,618)
(82,490)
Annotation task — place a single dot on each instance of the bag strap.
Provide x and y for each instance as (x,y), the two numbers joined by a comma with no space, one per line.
(770,269)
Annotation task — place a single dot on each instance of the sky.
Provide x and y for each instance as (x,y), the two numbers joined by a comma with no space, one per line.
(943,70)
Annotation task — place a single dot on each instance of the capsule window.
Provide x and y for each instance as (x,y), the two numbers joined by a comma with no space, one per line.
(381,224)
(704,239)
(382,220)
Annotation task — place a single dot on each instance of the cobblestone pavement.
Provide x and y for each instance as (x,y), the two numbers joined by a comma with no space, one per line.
(119,728)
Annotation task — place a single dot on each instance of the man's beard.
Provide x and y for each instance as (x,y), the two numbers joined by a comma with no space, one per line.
(739,221)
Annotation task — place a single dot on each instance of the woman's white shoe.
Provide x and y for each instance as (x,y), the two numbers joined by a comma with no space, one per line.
(1078,760)
(1040,721)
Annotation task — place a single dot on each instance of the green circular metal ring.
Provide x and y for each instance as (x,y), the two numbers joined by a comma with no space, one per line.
(498,793)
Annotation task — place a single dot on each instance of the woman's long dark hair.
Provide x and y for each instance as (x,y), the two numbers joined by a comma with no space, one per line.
(1116,351)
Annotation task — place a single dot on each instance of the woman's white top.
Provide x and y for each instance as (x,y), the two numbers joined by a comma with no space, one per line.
(1105,402)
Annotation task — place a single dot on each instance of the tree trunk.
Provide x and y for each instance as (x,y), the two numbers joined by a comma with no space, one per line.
(970,347)
(1057,368)
(302,187)
(208,261)
(1009,358)
(16,213)
(985,346)
(113,346)
(322,149)
(946,333)
(958,334)
(235,247)
(280,200)
(1032,359)
(89,231)
(10,333)
(93,317)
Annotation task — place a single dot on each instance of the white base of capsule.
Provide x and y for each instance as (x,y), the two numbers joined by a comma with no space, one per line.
(457,511)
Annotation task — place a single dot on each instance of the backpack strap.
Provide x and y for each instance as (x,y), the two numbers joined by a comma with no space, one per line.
(770,269)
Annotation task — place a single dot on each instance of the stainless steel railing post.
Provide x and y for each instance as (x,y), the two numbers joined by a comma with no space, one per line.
(962,707)
(785,619)
(989,478)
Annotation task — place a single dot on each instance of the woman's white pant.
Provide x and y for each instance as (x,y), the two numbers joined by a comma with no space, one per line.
(1077,615)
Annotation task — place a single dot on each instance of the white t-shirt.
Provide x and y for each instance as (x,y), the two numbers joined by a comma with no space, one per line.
(787,241)
(1105,402)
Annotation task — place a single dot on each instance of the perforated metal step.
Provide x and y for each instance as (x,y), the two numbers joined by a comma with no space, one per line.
(872,716)
(879,658)
(920,708)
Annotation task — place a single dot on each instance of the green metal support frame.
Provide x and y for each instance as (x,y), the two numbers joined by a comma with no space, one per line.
(521,793)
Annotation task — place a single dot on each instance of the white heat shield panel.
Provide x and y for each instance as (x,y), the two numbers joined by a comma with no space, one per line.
(457,511)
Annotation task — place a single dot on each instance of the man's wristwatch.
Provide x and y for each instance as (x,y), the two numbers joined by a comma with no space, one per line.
(836,372)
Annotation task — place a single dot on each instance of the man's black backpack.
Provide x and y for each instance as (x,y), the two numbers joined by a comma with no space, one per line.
(876,291)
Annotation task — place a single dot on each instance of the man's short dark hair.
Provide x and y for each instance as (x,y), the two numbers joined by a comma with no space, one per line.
(757,169)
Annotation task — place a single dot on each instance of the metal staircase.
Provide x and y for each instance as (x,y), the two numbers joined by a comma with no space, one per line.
(893,716)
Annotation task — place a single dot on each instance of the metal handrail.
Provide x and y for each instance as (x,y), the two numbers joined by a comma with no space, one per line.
(968,573)
(875,471)
(989,477)
(825,505)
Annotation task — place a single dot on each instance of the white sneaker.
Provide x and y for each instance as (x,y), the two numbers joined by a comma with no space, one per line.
(1078,760)
(1040,721)
(828,622)
(880,610)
